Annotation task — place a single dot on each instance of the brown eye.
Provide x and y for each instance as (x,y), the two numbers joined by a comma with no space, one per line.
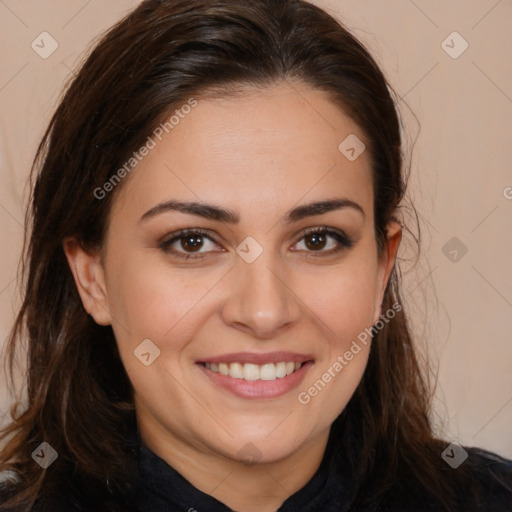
(192,242)
(185,243)
(315,241)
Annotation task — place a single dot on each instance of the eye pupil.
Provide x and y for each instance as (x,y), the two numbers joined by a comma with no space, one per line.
(317,241)
(195,242)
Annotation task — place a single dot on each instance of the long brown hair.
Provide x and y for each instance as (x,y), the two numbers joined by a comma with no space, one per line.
(79,396)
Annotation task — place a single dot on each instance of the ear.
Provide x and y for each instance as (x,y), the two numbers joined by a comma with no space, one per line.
(386,264)
(89,278)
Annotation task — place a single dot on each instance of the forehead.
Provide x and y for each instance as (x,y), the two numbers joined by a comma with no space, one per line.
(255,150)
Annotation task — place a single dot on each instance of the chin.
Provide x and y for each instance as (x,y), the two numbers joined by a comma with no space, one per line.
(264,448)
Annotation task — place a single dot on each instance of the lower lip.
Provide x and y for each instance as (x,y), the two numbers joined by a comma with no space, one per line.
(258,388)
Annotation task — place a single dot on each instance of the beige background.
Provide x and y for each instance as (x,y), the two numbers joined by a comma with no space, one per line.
(461,179)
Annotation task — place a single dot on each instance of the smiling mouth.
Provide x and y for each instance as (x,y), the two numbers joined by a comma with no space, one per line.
(252,372)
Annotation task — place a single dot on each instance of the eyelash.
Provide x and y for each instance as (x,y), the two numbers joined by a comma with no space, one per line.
(343,240)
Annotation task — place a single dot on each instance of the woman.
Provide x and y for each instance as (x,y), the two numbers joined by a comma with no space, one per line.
(212,304)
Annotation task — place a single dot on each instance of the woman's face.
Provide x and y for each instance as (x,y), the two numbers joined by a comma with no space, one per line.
(257,297)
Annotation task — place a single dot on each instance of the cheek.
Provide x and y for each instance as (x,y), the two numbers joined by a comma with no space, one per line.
(149,299)
(344,303)
(159,304)
(343,299)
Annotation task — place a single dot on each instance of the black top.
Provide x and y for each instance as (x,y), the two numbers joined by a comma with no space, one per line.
(160,488)
(329,490)
(164,489)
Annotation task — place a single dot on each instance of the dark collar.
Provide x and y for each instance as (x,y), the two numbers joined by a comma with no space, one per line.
(164,489)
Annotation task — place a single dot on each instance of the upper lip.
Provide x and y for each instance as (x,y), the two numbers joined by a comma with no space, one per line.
(259,359)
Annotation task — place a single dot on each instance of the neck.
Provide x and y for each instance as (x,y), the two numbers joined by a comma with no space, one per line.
(259,487)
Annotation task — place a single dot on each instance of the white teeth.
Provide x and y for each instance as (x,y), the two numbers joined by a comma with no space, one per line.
(268,372)
(280,370)
(249,371)
(236,370)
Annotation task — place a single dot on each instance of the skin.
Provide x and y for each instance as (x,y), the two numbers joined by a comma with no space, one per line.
(259,154)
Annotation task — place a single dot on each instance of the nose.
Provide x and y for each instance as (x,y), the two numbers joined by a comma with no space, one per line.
(261,301)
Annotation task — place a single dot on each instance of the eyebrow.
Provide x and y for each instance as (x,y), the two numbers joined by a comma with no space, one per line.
(210,211)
